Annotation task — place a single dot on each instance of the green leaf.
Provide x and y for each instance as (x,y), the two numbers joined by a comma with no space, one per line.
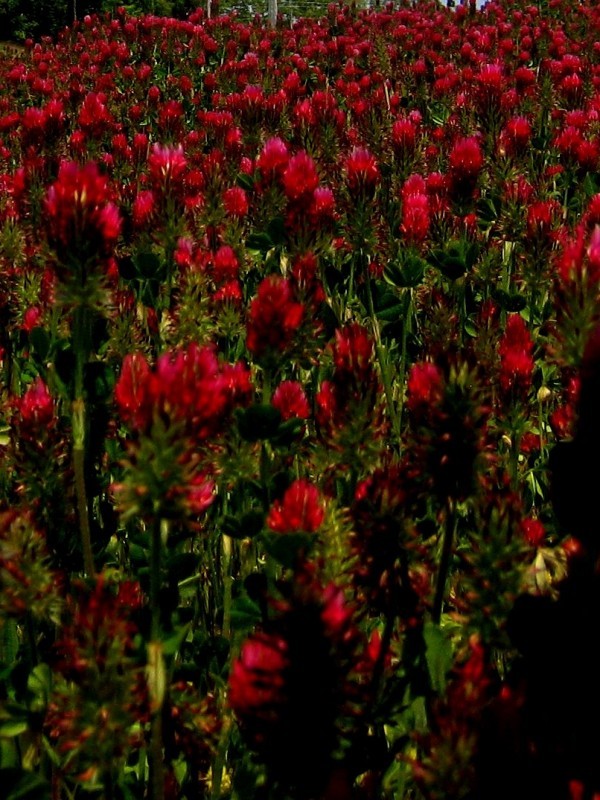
(276,231)
(12,728)
(148,266)
(438,653)
(512,302)
(245,181)
(244,526)
(17,784)
(285,548)
(260,242)
(406,272)
(258,422)
(40,342)
(245,614)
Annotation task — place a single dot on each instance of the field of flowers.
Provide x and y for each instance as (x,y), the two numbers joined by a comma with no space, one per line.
(299,379)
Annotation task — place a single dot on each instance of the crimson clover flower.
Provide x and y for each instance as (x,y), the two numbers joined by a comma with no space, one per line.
(83,224)
(465,164)
(300,511)
(290,400)
(362,173)
(516,359)
(273,318)
(294,685)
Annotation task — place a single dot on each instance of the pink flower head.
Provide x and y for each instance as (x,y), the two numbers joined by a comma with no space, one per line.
(415,210)
(257,678)
(404,137)
(300,511)
(515,136)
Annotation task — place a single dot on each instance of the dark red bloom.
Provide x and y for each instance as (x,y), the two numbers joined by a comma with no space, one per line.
(274,317)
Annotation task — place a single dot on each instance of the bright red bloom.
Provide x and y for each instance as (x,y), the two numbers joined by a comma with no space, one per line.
(362,172)
(82,221)
(273,158)
(235,202)
(35,410)
(274,317)
(167,167)
(187,386)
(404,137)
(226,266)
(515,136)
(300,511)
(541,219)
(133,391)
(465,162)
(300,178)
(144,207)
(516,360)
(415,210)
(290,400)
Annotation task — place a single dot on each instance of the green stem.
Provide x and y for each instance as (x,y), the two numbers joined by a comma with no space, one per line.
(157,779)
(82,347)
(383,362)
(219,762)
(406,327)
(80,488)
(442,576)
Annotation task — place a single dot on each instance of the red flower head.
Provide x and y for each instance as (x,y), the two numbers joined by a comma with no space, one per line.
(300,511)
(293,686)
(273,158)
(516,360)
(425,387)
(362,173)
(235,202)
(167,167)
(82,222)
(35,411)
(274,317)
(465,162)
(404,137)
(290,400)
(515,136)
(415,210)
(534,532)
(134,392)
(300,178)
